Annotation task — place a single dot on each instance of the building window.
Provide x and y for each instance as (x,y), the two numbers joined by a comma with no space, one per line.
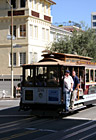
(47,34)
(22,58)
(94,24)
(36,32)
(31,30)
(14,59)
(58,36)
(46,9)
(52,36)
(22,30)
(14,30)
(43,33)
(31,4)
(94,17)
(43,7)
(13,2)
(35,57)
(31,58)
(34,5)
(22,3)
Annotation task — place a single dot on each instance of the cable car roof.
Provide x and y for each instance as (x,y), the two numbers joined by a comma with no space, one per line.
(63,55)
(52,61)
(58,59)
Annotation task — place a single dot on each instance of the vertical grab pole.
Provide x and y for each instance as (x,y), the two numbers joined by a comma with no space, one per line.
(64,93)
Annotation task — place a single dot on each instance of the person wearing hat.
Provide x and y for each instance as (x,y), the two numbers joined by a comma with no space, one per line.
(68,88)
(75,89)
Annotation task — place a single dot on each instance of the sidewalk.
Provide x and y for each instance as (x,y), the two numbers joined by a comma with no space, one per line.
(8,98)
(6,103)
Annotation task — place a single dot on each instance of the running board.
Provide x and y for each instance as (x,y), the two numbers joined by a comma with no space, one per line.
(76,109)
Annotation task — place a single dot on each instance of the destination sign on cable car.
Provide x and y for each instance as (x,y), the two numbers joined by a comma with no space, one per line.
(86,62)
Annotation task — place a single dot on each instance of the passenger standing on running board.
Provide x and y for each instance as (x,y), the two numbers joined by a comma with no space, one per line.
(75,89)
(68,88)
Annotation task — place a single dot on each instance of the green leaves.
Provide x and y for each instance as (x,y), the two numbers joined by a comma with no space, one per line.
(81,42)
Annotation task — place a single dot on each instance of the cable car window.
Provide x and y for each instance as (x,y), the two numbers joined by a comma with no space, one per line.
(81,73)
(92,90)
(67,60)
(76,70)
(82,77)
(53,76)
(91,75)
(40,76)
(29,78)
(87,75)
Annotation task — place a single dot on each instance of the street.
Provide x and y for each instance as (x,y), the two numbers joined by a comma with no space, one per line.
(20,125)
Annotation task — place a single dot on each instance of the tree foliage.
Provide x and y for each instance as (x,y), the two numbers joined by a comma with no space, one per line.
(81,42)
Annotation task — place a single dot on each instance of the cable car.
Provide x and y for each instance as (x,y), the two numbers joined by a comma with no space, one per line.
(42,84)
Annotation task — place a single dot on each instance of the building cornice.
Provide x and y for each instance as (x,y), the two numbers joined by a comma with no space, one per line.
(59,28)
(25,16)
(40,19)
(50,1)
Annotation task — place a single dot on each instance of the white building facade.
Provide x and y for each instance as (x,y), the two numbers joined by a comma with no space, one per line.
(33,33)
(58,32)
(31,27)
(93,20)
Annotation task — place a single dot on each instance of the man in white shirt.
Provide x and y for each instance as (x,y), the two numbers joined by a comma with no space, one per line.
(68,88)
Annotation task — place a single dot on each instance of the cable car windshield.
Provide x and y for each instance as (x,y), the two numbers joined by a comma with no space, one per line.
(41,76)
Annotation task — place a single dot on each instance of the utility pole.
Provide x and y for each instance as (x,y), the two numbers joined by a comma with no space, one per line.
(11,48)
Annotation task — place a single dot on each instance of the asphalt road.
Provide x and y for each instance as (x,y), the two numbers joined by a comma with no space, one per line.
(15,125)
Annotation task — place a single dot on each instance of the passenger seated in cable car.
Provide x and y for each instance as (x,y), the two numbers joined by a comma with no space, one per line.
(53,80)
(39,80)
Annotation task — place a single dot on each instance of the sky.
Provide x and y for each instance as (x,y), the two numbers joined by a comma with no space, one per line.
(74,10)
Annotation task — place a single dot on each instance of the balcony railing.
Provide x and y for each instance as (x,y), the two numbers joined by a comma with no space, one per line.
(47,18)
(16,12)
(36,14)
(25,12)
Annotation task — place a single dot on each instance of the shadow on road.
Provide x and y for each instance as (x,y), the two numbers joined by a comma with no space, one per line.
(12,114)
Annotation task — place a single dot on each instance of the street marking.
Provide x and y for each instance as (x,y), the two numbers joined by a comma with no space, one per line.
(31,128)
(42,130)
(88,136)
(79,131)
(48,130)
(15,116)
(9,123)
(18,135)
(38,122)
(8,130)
(84,124)
(8,126)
